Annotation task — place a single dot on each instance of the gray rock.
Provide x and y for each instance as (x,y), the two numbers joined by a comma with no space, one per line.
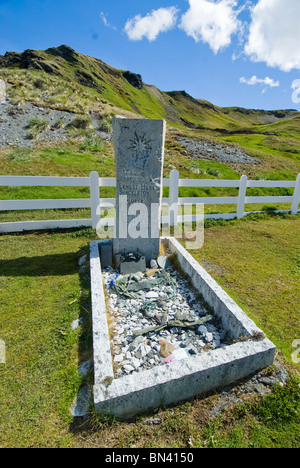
(85,367)
(164,262)
(217,152)
(119,358)
(144,285)
(82,260)
(192,349)
(153,264)
(14,125)
(128,368)
(152,295)
(150,311)
(202,330)
(153,421)
(135,362)
(81,404)
(137,276)
(209,337)
(76,323)
(142,350)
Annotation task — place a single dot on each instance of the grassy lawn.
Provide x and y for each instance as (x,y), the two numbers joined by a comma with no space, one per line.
(39,283)
(255,260)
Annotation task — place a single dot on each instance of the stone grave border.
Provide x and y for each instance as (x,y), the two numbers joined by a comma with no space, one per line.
(171,383)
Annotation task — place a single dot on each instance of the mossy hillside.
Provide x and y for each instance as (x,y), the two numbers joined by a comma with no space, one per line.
(64,77)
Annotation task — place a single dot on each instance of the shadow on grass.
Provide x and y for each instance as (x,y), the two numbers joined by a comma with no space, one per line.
(45,265)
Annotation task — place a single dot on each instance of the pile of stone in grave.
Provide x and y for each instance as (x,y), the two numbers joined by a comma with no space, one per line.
(157,317)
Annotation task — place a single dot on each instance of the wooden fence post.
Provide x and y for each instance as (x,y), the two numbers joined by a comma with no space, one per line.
(95,198)
(296,197)
(241,197)
(173,197)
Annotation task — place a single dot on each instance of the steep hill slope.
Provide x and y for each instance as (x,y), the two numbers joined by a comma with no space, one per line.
(126,91)
(62,79)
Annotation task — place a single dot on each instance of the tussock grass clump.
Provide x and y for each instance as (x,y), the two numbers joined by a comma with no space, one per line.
(39,124)
(105,125)
(40,84)
(58,124)
(81,122)
(20,155)
(36,126)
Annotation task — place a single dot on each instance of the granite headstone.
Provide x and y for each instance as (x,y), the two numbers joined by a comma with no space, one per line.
(139,155)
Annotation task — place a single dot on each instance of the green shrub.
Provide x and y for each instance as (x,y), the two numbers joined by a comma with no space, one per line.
(93,144)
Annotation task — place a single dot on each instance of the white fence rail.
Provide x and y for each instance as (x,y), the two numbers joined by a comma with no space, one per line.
(95,203)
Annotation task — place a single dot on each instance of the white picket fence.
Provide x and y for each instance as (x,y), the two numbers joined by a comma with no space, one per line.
(94,202)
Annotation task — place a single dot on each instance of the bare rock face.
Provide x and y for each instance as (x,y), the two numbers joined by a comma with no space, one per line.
(65,52)
(134,79)
(29,59)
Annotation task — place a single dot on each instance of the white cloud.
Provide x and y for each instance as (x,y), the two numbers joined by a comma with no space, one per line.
(274,34)
(105,21)
(296,93)
(266,81)
(211,21)
(151,25)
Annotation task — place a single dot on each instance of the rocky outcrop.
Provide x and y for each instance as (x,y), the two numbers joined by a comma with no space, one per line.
(64,51)
(29,59)
(86,79)
(134,79)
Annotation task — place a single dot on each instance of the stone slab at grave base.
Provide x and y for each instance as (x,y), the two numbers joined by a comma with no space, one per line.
(166,384)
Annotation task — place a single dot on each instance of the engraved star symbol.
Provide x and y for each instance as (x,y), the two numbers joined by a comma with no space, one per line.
(140,144)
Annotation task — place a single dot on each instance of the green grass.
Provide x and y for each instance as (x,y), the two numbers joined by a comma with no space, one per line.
(70,159)
(39,282)
(256,260)
(270,423)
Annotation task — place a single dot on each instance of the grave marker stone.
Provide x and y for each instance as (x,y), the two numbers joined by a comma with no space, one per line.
(139,155)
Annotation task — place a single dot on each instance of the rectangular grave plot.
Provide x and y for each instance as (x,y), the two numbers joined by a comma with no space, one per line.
(165,384)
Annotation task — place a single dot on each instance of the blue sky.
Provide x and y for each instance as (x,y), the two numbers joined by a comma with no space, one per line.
(229,52)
